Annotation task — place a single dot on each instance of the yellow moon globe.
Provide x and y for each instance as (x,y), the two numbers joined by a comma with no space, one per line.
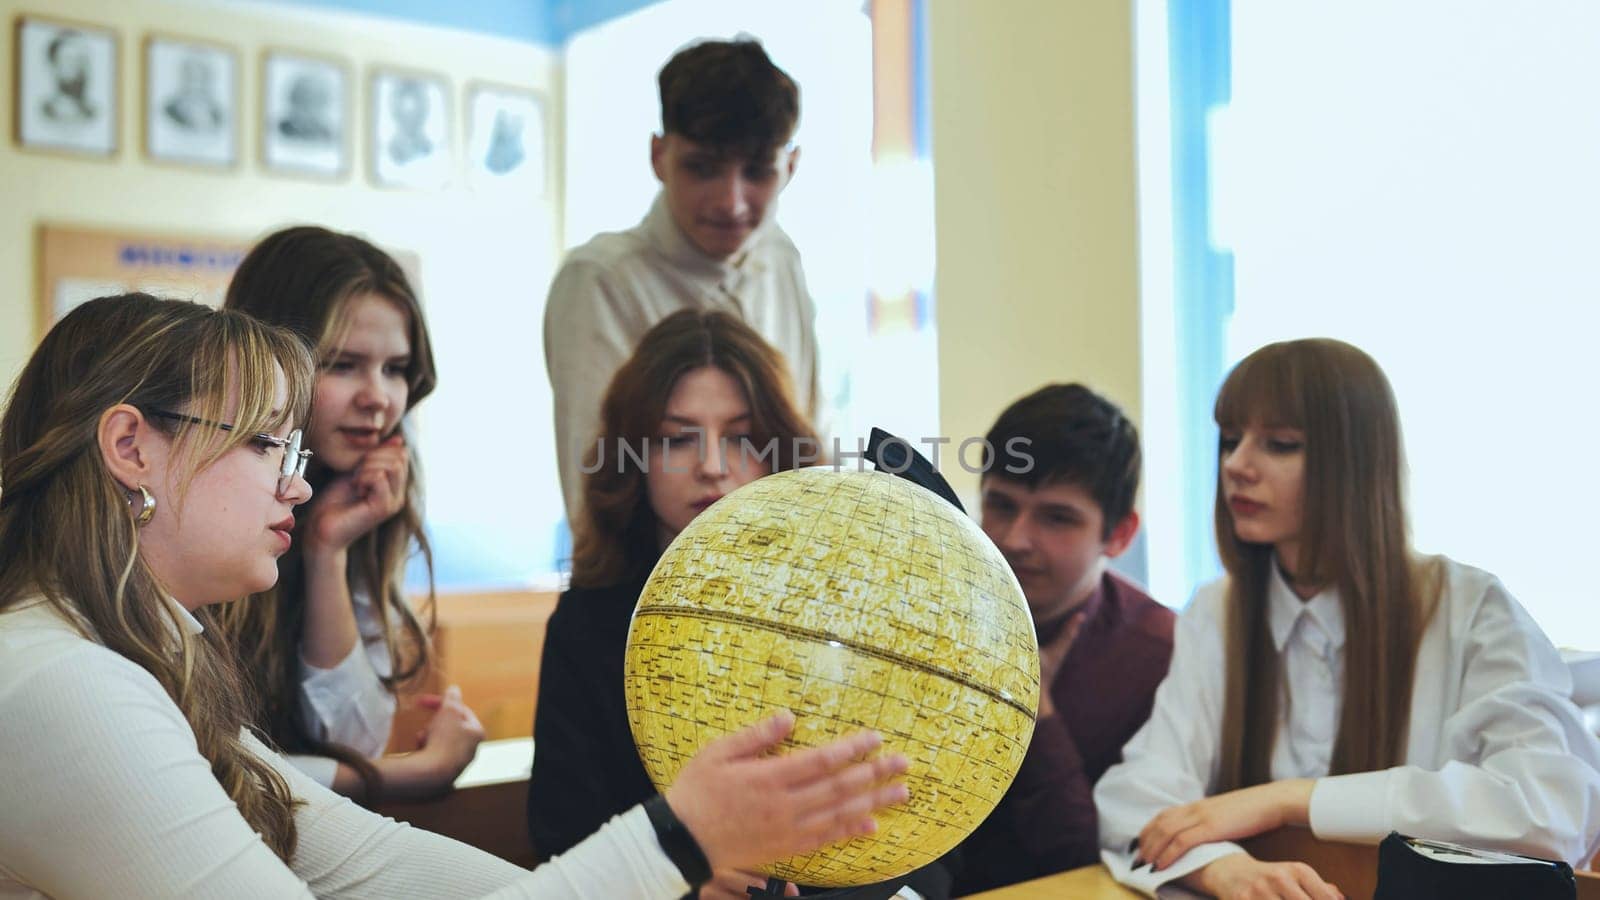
(855,600)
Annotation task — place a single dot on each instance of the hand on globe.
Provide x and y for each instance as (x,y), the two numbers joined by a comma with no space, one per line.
(747,809)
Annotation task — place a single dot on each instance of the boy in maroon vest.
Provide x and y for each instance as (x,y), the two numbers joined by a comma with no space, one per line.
(1058,502)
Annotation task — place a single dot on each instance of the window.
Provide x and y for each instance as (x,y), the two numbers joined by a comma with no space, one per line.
(1420,179)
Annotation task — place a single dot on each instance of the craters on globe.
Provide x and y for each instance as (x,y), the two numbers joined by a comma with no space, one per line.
(856,600)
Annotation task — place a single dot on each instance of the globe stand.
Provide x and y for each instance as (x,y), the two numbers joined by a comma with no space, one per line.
(882,891)
(896,455)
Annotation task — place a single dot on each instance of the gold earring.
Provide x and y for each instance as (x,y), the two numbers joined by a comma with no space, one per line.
(147,507)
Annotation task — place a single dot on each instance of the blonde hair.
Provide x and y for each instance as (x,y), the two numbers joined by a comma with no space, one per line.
(66,530)
(1354,537)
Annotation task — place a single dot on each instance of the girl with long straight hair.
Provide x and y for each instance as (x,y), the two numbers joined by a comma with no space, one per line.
(149,464)
(331,643)
(1335,678)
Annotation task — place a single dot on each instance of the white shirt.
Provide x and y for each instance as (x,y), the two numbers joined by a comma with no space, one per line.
(1496,757)
(349,704)
(104,794)
(616,287)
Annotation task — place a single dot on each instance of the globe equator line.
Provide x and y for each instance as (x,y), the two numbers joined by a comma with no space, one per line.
(824,637)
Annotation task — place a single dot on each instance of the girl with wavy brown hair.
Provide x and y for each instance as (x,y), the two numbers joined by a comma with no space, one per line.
(715,396)
(703,407)
(332,642)
(149,465)
(1335,678)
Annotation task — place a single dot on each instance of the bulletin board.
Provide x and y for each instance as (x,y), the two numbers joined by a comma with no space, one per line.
(78,264)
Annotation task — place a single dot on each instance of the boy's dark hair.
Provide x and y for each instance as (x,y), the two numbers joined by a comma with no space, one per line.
(729,95)
(1075,436)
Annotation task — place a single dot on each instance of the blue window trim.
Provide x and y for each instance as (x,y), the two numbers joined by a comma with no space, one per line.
(921,115)
(547,23)
(1201,75)
(568,17)
(921,129)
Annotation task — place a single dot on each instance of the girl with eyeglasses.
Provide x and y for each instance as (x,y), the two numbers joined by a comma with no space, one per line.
(331,643)
(147,475)
(1335,678)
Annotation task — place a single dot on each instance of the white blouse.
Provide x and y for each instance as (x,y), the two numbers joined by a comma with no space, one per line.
(349,704)
(104,794)
(1497,755)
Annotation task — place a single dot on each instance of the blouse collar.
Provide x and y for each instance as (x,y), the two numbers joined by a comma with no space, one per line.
(1284,608)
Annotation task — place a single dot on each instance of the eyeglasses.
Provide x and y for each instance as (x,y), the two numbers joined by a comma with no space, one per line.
(294,458)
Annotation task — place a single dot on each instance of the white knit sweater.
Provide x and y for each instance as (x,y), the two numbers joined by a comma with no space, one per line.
(103,793)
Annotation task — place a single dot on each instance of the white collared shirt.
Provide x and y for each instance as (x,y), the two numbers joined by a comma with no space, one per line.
(104,793)
(1496,756)
(186,619)
(1309,636)
(616,287)
(349,703)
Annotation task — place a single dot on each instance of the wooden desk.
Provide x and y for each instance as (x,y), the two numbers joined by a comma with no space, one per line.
(1090,883)
(489,644)
(488,808)
(1353,867)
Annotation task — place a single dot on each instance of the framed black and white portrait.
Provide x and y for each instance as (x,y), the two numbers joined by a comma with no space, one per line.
(66,87)
(305,114)
(505,137)
(191,105)
(410,131)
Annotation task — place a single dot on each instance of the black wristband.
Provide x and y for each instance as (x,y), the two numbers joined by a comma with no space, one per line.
(676,841)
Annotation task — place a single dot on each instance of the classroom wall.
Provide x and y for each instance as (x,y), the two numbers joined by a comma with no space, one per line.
(1034,164)
(458,233)
(485,255)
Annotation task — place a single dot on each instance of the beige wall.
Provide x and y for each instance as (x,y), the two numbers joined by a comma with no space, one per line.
(465,239)
(1034,163)
(485,255)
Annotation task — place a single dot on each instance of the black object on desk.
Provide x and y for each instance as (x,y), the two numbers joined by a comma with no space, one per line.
(1416,869)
